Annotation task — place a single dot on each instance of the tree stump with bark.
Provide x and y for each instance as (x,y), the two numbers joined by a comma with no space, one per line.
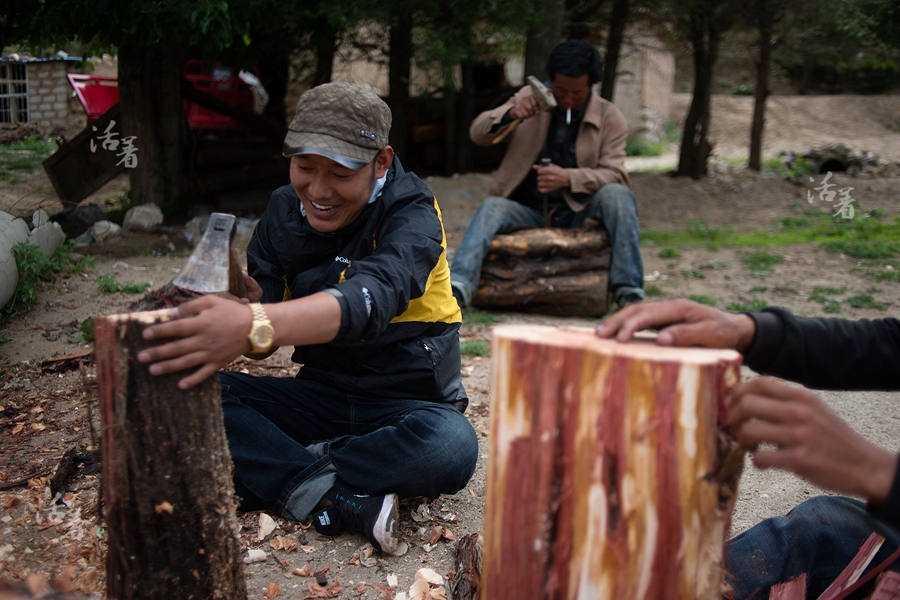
(611,472)
(167,475)
(562,272)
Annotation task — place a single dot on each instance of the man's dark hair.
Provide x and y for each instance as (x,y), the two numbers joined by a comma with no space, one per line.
(574,58)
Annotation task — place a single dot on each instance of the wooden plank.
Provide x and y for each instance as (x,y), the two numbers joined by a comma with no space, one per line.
(75,171)
(888,587)
(795,589)
(610,474)
(853,571)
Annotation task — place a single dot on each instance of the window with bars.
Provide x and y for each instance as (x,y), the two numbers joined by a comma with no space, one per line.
(13,93)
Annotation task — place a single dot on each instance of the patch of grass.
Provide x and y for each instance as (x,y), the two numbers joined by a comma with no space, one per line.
(707,300)
(34,268)
(109,285)
(5,338)
(743,90)
(755,305)
(26,155)
(669,253)
(761,262)
(892,275)
(758,289)
(824,296)
(653,290)
(716,265)
(792,223)
(473,316)
(642,147)
(865,301)
(474,348)
(864,248)
(692,274)
(87,330)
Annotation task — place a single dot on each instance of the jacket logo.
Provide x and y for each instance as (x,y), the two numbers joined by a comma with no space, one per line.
(342,259)
(368,299)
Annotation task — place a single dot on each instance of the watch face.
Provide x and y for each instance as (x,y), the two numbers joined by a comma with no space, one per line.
(263,336)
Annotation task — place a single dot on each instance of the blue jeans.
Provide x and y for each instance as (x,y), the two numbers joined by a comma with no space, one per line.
(613,205)
(290,439)
(819,537)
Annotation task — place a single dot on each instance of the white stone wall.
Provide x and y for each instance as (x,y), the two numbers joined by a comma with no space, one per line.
(646,76)
(48,93)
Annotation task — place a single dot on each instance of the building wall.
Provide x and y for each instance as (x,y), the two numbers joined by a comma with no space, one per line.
(644,84)
(48,93)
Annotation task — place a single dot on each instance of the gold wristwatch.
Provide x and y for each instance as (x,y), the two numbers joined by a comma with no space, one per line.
(262,334)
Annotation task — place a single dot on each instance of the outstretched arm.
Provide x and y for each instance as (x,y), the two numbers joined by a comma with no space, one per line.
(682,323)
(210,332)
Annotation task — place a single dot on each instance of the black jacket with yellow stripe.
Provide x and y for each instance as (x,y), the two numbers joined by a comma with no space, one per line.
(399,334)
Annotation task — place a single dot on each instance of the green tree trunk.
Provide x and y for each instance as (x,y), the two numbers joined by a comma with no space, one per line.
(399,67)
(153,112)
(763,67)
(542,37)
(707,21)
(617,23)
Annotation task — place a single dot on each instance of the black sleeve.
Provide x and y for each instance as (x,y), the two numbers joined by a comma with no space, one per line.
(262,258)
(827,354)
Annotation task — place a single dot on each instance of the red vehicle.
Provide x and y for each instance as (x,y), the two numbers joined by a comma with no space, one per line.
(99,94)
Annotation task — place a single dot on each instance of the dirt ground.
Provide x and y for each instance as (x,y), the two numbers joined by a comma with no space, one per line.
(47,406)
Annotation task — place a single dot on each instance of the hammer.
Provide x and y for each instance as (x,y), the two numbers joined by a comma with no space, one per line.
(213,266)
(544,98)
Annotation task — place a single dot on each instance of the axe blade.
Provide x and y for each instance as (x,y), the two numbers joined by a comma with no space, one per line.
(207,268)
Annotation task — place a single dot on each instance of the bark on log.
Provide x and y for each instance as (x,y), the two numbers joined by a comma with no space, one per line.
(552,271)
(611,474)
(167,476)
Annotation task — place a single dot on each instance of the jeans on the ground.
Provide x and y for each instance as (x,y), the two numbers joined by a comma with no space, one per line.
(819,537)
(291,438)
(613,205)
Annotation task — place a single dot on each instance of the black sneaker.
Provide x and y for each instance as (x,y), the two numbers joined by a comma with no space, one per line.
(375,517)
(628,300)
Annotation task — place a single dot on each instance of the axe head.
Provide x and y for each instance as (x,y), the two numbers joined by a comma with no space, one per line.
(207,269)
(544,97)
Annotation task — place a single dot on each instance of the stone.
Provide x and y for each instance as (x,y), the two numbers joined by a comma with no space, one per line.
(104,230)
(143,217)
(12,232)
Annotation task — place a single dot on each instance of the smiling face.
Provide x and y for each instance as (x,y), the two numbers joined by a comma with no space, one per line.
(333,196)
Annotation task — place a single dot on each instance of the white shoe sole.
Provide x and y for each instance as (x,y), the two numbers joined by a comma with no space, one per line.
(385,532)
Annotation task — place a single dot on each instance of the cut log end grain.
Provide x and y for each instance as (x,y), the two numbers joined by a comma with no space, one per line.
(611,472)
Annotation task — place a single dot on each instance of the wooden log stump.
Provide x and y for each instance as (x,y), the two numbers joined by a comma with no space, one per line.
(562,272)
(610,474)
(167,475)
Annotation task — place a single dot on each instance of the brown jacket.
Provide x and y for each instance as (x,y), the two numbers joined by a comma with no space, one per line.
(599,147)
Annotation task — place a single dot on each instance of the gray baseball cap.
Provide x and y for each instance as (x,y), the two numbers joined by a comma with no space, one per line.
(346,122)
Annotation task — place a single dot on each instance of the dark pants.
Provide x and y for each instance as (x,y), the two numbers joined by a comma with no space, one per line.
(290,439)
(819,537)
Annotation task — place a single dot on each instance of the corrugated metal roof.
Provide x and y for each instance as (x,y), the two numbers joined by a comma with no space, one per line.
(30,59)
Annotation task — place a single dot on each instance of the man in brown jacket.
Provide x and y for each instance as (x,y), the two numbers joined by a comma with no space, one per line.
(561,167)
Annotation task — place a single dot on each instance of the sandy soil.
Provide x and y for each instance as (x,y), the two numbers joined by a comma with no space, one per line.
(45,407)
